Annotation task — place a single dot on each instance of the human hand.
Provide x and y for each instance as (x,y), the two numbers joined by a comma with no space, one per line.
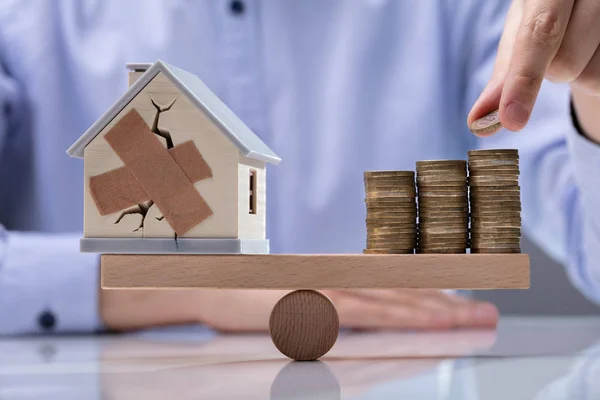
(249,310)
(554,39)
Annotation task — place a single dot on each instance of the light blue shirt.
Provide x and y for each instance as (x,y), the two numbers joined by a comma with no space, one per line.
(335,88)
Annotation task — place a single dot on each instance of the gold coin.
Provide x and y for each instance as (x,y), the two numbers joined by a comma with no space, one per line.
(372,251)
(450,173)
(490,167)
(443,194)
(491,222)
(482,228)
(474,164)
(449,185)
(462,205)
(392,212)
(446,224)
(405,182)
(479,198)
(459,241)
(502,172)
(381,210)
(395,249)
(391,243)
(441,163)
(448,179)
(501,179)
(392,235)
(390,224)
(401,201)
(426,221)
(494,251)
(429,237)
(495,230)
(496,204)
(493,152)
(370,174)
(496,245)
(449,250)
(398,237)
(484,159)
(486,124)
(384,230)
(503,243)
(453,201)
(429,209)
(500,188)
(443,217)
(495,215)
(475,210)
(390,196)
(496,183)
(442,244)
(489,239)
(443,231)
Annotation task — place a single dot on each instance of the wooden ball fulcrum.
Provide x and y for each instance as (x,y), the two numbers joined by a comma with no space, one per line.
(304,325)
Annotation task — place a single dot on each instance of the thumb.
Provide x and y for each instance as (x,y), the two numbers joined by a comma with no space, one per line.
(489,100)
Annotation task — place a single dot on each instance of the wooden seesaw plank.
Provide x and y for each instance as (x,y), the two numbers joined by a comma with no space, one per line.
(293,271)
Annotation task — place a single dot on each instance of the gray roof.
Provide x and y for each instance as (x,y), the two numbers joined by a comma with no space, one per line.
(246,141)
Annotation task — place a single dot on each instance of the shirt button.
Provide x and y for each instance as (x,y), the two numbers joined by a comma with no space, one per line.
(237,7)
(47,320)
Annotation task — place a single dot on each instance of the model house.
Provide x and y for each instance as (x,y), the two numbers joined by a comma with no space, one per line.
(170,168)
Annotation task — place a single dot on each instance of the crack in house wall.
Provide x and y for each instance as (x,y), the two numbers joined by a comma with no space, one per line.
(143,208)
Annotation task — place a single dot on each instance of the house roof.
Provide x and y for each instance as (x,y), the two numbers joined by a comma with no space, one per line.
(246,141)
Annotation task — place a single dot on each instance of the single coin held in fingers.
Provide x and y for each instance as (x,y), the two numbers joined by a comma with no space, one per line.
(487,124)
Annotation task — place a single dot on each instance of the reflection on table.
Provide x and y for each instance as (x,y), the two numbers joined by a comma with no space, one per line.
(547,358)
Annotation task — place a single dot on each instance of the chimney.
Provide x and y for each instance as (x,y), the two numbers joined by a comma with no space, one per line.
(136,70)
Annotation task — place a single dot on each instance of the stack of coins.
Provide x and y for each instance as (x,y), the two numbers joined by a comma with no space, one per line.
(495,201)
(443,206)
(391,212)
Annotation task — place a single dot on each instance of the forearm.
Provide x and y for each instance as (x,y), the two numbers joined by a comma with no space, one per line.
(587,108)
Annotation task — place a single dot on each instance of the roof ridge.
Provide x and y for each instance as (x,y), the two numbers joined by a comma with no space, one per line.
(247,142)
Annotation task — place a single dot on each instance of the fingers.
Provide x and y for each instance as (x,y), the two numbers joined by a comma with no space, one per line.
(411,309)
(538,40)
(365,313)
(580,42)
(489,99)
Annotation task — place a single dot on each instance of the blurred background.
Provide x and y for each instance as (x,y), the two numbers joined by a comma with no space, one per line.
(551,291)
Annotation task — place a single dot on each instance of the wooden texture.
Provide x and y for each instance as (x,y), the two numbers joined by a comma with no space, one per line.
(271,271)
(251,226)
(304,325)
(185,122)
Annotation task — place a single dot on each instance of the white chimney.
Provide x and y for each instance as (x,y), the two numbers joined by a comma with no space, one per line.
(136,70)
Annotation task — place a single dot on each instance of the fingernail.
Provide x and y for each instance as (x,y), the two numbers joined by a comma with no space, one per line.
(517,113)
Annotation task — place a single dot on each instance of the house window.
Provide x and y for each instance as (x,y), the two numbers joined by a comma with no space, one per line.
(252,193)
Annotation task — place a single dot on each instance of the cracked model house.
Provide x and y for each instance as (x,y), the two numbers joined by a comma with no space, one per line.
(170,168)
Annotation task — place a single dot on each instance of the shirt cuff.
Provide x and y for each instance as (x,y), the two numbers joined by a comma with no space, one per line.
(47,285)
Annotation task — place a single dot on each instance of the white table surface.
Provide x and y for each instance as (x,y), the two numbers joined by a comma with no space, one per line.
(527,358)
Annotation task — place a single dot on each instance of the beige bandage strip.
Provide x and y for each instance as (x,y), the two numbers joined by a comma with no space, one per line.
(157,172)
(118,189)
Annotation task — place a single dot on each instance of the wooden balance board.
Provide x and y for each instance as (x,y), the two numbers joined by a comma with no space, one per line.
(304,324)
